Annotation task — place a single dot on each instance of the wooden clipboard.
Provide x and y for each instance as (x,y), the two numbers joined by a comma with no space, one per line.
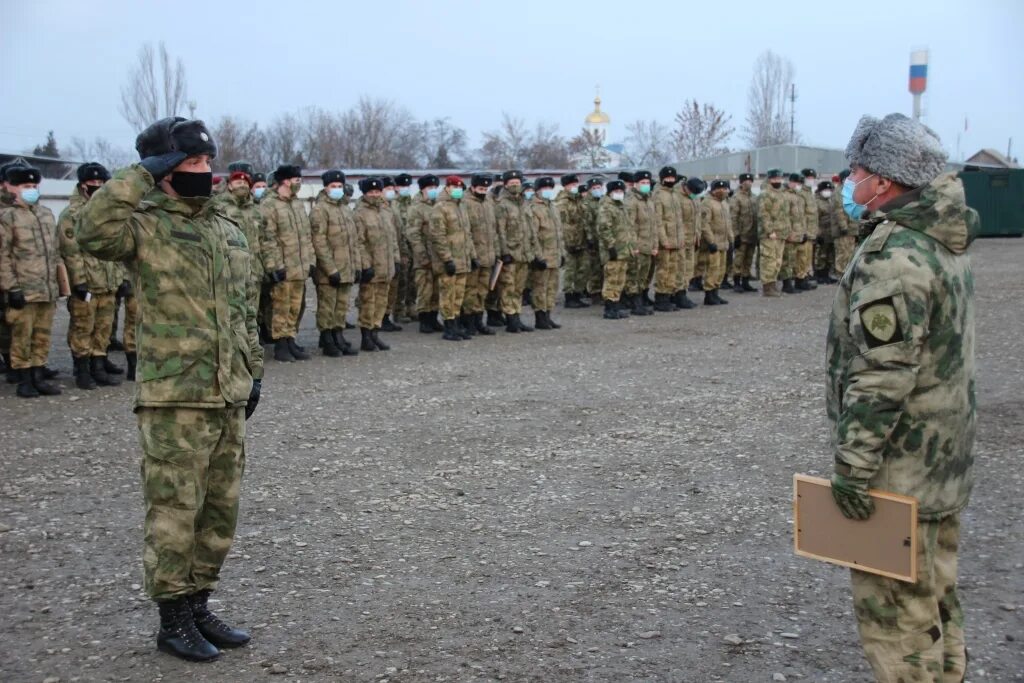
(884,544)
(495,272)
(63,284)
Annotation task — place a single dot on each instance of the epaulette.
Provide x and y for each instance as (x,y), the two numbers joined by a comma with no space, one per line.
(878,237)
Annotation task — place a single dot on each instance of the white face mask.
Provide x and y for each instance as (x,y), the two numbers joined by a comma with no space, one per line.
(826,193)
(617,196)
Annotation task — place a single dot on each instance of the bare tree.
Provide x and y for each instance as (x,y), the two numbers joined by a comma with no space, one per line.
(505,147)
(587,149)
(377,133)
(546,148)
(443,143)
(102,151)
(282,142)
(701,131)
(238,140)
(156,88)
(767,123)
(648,143)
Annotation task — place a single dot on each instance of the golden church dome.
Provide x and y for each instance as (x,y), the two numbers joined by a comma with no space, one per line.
(597,117)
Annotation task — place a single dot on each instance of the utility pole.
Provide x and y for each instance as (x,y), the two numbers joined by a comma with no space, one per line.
(792,113)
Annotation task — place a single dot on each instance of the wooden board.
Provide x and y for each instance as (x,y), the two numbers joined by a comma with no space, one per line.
(884,544)
(63,285)
(495,272)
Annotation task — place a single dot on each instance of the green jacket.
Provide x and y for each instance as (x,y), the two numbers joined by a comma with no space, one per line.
(773,213)
(245,213)
(715,222)
(101,277)
(642,213)
(515,233)
(335,240)
(400,207)
(691,217)
(615,229)
(842,224)
(28,252)
(548,231)
(196,332)
(482,226)
(287,242)
(572,212)
(743,210)
(416,229)
(900,354)
(810,211)
(590,206)
(797,215)
(824,209)
(375,231)
(450,234)
(668,213)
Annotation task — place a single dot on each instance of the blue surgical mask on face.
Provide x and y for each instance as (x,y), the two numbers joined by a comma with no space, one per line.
(259,192)
(432,194)
(336,193)
(456,193)
(597,193)
(644,189)
(547,194)
(852,208)
(528,194)
(389,195)
(30,196)
(405,191)
(574,190)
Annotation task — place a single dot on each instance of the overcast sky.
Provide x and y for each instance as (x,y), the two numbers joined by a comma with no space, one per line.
(64,62)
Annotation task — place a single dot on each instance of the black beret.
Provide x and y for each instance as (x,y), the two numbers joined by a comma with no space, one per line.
(429,180)
(809,173)
(569,179)
(287,172)
(746,176)
(596,181)
(626,176)
(19,175)
(332,175)
(642,175)
(175,134)
(370,184)
(241,167)
(403,180)
(666,171)
(795,178)
(825,185)
(546,181)
(259,177)
(387,180)
(719,184)
(480,180)
(615,185)
(511,175)
(93,171)
(774,173)
(696,185)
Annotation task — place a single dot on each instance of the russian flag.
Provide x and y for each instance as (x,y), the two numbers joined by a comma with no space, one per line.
(918,71)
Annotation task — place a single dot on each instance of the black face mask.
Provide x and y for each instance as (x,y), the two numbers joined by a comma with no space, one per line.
(776,185)
(192,185)
(668,183)
(90,190)
(480,195)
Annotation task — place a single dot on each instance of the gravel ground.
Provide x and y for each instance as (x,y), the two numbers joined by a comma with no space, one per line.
(607,502)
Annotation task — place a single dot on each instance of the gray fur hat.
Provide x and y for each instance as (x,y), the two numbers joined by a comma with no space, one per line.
(897,148)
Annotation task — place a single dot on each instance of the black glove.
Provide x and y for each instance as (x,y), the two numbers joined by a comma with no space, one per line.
(736,243)
(819,240)
(591,244)
(474,264)
(124,289)
(712,248)
(506,259)
(254,398)
(367,275)
(278,275)
(538,263)
(81,291)
(334,279)
(16,299)
(613,254)
(312,272)
(449,267)
(162,164)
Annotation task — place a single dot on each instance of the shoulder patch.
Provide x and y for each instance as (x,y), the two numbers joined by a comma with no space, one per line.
(880,323)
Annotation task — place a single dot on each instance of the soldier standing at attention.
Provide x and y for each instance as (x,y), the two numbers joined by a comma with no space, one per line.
(93,284)
(690,203)
(200,367)
(416,232)
(900,388)
(7,198)
(28,274)
(480,211)
(773,225)
(288,257)
(516,248)
(406,295)
(797,233)
(805,251)
(825,251)
(642,214)
(571,214)
(618,243)
(379,252)
(743,211)
(339,262)
(548,231)
(595,191)
(668,213)
(844,229)
(390,195)
(715,234)
(451,240)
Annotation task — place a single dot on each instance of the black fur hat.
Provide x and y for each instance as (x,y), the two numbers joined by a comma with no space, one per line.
(287,172)
(403,180)
(370,184)
(93,171)
(175,134)
(19,175)
(569,179)
(428,180)
(332,176)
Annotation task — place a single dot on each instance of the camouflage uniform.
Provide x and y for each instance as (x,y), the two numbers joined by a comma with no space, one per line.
(286,244)
(480,211)
(642,214)
(715,228)
(797,232)
(550,247)
(572,215)
(805,251)
(615,231)
(515,239)
(28,262)
(198,356)
(6,200)
(403,302)
(239,207)
(844,234)
(337,250)
(825,253)
(901,402)
(743,210)
(379,251)
(451,239)
(595,275)
(691,229)
(773,218)
(423,263)
(91,321)
(671,236)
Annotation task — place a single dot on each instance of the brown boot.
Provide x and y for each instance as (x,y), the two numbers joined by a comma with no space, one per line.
(770,289)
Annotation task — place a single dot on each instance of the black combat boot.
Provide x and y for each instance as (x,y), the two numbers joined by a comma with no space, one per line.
(787,287)
(11,376)
(466,325)
(648,302)
(609,311)
(367,340)
(737,285)
(709,298)
(114,345)
(697,284)
(281,352)
(331,349)
(343,344)
(42,385)
(83,378)
(540,321)
(375,337)
(636,304)
(109,366)
(178,634)
(495,318)
(718,297)
(528,297)
(811,284)
(434,321)
(26,388)
(523,327)
(746,285)
(663,304)
(585,301)
(510,323)
(99,372)
(572,300)
(131,359)
(388,326)
(481,329)
(298,352)
(801,284)
(726,282)
(552,323)
(682,301)
(49,373)
(425,326)
(210,625)
(449,332)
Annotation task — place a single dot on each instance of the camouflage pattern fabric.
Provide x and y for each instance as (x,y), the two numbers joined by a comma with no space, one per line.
(595,269)
(30,334)
(804,255)
(614,280)
(743,210)
(450,236)
(716,228)
(90,325)
(743,259)
(638,273)
(788,269)
(416,233)
(29,253)
(426,290)
(373,303)
(515,234)
(691,228)
(615,230)
(332,306)
(131,319)
(376,239)
(511,281)
(666,275)
(287,242)
(238,206)
(286,300)
(452,292)
(477,285)
(545,289)
(770,262)
(101,277)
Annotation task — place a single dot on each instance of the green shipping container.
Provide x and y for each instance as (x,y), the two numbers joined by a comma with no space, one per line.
(997,194)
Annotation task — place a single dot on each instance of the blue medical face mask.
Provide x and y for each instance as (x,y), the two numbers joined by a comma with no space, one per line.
(528,194)
(336,193)
(597,193)
(456,193)
(547,194)
(432,194)
(259,192)
(574,189)
(852,208)
(405,191)
(389,195)
(30,196)
(644,188)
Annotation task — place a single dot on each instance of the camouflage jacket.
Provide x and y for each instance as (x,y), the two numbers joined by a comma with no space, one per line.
(691,218)
(28,252)
(481,225)
(450,235)
(245,213)
(615,229)
(810,212)
(842,224)
(715,222)
(416,231)
(824,208)
(643,215)
(900,353)
(548,228)
(572,214)
(196,332)
(335,240)
(590,206)
(797,215)
(668,213)
(286,236)
(376,237)
(773,213)
(101,277)
(515,233)
(400,207)
(743,211)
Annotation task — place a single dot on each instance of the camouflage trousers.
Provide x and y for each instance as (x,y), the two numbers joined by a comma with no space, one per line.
(265,311)
(804,258)
(666,272)
(512,280)
(332,306)
(192,464)
(700,262)
(614,280)
(638,273)
(478,284)
(687,264)
(393,298)
(825,256)
(407,294)
(5,332)
(743,260)
(451,293)
(30,334)
(545,289)
(90,325)
(286,299)
(577,271)
(770,262)
(845,248)
(714,269)
(595,272)
(788,269)
(426,290)
(373,303)
(131,319)
(915,632)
